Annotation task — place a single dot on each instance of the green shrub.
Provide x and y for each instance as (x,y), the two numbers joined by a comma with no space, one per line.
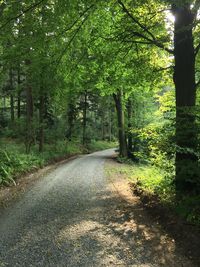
(13,163)
(152,180)
(14,160)
(101,145)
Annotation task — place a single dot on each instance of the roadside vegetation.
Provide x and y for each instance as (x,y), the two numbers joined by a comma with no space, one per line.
(152,184)
(77,75)
(15,161)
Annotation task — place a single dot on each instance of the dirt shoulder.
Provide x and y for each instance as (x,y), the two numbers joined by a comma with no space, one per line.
(182,237)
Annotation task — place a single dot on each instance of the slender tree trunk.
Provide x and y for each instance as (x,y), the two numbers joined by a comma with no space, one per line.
(110,124)
(84,117)
(71,114)
(4,105)
(103,125)
(29,114)
(29,118)
(41,120)
(12,108)
(19,94)
(19,105)
(121,123)
(184,79)
(130,140)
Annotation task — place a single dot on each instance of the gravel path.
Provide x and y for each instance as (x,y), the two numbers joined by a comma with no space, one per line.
(75,216)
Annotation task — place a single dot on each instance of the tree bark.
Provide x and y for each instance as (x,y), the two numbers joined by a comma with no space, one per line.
(71,115)
(41,121)
(29,113)
(110,122)
(103,125)
(18,94)
(29,118)
(118,98)
(19,105)
(12,108)
(84,117)
(130,137)
(184,79)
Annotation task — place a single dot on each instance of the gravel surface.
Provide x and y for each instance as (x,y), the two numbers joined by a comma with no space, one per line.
(75,216)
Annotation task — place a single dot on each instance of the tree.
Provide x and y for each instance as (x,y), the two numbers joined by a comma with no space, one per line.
(150,31)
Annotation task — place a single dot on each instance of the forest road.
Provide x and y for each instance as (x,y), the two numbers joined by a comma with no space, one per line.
(76,216)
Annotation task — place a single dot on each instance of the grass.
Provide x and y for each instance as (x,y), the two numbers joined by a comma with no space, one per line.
(149,179)
(14,160)
(152,181)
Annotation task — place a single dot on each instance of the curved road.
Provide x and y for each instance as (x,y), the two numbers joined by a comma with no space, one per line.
(72,217)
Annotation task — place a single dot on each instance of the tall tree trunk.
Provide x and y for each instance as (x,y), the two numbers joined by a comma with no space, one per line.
(4,105)
(29,113)
(29,119)
(41,120)
(18,94)
(84,117)
(184,79)
(110,122)
(71,114)
(103,125)
(12,108)
(121,123)
(130,138)
(19,105)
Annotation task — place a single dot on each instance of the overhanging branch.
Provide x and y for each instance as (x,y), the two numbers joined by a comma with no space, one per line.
(163,69)
(135,20)
(76,21)
(71,40)
(151,39)
(154,42)
(31,7)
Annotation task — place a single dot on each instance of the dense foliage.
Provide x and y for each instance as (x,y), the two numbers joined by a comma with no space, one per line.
(76,72)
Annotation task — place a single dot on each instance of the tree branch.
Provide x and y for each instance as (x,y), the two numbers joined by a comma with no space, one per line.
(135,20)
(157,12)
(76,21)
(71,40)
(137,42)
(163,69)
(152,39)
(154,42)
(22,13)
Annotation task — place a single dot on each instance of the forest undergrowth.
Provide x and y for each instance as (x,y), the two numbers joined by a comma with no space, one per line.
(151,184)
(15,161)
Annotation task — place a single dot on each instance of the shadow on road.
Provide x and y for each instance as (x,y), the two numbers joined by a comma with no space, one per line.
(103,231)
